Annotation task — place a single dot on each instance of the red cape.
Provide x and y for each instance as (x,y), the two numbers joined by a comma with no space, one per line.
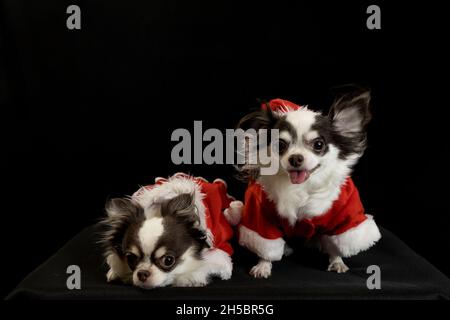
(260,215)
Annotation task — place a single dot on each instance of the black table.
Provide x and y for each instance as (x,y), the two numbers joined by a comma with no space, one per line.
(404,275)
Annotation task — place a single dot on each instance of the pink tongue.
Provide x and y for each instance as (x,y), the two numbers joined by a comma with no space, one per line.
(297,176)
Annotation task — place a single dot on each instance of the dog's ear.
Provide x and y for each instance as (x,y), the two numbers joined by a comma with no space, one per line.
(183,208)
(181,205)
(261,119)
(121,213)
(251,124)
(350,112)
(119,207)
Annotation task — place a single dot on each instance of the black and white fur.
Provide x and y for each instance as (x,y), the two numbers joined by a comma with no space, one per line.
(159,238)
(325,147)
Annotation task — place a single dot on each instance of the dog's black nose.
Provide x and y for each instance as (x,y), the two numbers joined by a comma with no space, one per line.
(296,160)
(143,275)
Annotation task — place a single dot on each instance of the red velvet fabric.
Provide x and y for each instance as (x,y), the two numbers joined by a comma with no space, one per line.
(261,216)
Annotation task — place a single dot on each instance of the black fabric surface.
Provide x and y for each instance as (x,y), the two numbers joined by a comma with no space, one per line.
(404,275)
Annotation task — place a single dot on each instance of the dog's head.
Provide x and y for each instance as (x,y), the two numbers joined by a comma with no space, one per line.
(157,249)
(310,141)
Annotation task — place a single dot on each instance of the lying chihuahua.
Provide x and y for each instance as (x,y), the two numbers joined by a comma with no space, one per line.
(174,232)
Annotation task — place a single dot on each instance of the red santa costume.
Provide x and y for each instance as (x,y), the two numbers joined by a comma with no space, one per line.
(345,227)
(211,199)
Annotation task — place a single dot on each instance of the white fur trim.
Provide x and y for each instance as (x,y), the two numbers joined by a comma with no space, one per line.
(233,214)
(271,250)
(353,241)
(178,184)
(221,181)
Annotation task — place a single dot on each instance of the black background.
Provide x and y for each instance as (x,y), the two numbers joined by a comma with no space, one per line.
(88,114)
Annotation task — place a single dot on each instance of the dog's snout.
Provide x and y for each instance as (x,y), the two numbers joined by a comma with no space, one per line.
(143,275)
(296,160)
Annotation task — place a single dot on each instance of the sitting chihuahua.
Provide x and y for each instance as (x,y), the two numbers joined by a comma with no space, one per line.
(312,195)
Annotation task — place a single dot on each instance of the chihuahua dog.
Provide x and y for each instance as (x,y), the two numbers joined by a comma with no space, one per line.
(312,194)
(174,233)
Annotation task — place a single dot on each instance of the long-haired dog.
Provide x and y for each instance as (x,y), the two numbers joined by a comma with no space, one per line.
(174,232)
(312,194)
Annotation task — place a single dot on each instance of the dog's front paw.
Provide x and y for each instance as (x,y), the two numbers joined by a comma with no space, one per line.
(111,276)
(337,265)
(262,270)
(226,272)
(217,263)
(190,282)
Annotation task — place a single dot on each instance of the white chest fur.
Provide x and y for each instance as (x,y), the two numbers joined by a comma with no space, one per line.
(309,199)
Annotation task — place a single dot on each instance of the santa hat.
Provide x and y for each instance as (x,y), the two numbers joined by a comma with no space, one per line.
(280,106)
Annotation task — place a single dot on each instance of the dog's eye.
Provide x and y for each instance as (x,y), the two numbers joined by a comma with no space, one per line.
(318,144)
(282,146)
(132,260)
(167,261)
